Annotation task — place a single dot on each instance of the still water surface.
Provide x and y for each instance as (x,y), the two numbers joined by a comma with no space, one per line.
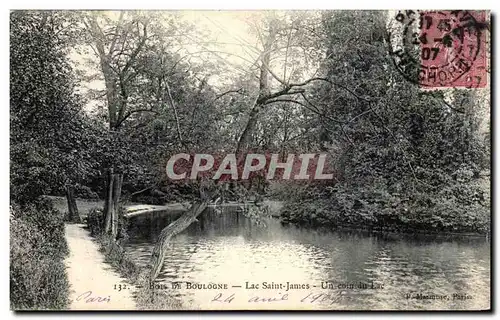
(331,270)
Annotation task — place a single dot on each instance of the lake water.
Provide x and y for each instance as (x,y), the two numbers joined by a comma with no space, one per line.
(326,269)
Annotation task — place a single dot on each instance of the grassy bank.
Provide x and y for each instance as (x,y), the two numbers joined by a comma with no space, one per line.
(115,255)
(38,280)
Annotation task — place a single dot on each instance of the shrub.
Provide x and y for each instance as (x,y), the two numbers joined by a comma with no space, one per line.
(85,192)
(37,249)
(95,222)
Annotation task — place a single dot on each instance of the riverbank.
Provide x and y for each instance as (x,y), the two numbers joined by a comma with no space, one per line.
(461,209)
(323,213)
(94,285)
(137,209)
(96,267)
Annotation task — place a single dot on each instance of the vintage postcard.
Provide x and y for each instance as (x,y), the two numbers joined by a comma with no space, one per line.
(250,160)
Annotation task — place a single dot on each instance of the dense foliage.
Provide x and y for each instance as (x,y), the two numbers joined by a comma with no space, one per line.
(48,140)
(52,139)
(407,161)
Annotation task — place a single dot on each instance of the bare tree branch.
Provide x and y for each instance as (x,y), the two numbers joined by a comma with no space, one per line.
(332,83)
(172,104)
(115,37)
(305,106)
(452,108)
(138,49)
(226,93)
(132,112)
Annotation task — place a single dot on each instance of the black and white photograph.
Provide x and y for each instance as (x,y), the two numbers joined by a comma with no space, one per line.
(305,160)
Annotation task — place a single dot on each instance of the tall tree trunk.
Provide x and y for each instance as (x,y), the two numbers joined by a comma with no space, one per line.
(73,215)
(117,190)
(170,231)
(110,79)
(246,136)
(108,204)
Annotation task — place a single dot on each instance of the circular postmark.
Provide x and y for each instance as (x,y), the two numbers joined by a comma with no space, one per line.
(437,48)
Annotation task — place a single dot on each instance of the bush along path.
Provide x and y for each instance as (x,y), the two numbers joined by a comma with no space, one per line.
(93,283)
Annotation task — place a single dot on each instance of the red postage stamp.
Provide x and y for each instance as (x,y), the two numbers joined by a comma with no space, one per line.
(443,49)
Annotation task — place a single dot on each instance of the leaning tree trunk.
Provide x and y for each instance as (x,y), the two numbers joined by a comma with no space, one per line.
(73,215)
(246,135)
(170,231)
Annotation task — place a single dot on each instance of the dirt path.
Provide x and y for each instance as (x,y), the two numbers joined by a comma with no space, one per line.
(91,280)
